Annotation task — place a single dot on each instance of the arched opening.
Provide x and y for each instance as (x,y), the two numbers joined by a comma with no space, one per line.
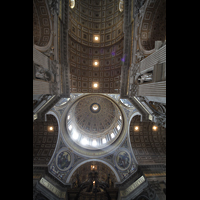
(142,197)
(153,26)
(45,135)
(93,160)
(42,25)
(148,141)
(97,181)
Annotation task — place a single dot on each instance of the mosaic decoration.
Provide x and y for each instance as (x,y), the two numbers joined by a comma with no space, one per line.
(123,160)
(57,167)
(64,160)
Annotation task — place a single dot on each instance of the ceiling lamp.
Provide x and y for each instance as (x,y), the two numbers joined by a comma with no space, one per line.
(93,167)
(96,38)
(50,128)
(118,127)
(112,135)
(96,63)
(155,128)
(136,128)
(95,85)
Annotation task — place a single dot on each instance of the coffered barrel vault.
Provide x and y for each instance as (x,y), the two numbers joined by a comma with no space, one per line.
(41,25)
(153,26)
(103,20)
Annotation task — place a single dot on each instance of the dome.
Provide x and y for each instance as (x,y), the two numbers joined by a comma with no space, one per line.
(94,121)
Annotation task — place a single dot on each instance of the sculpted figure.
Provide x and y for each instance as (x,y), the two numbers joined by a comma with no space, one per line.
(145,77)
(139,55)
(40,73)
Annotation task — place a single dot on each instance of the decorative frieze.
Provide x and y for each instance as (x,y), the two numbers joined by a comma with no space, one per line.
(52,188)
(132,187)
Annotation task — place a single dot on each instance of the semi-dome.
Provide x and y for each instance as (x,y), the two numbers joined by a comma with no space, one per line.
(94,121)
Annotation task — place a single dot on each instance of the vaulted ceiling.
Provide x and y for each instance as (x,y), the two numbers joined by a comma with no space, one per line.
(44,140)
(153,27)
(102,19)
(149,145)
(42,25)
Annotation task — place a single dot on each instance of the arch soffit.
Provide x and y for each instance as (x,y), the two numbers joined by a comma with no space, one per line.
(48,45)
(58,121)
(129,139)
(89,160)
(147,11)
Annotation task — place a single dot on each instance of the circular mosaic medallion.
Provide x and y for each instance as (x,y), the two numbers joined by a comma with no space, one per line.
(63,160)
(123,159)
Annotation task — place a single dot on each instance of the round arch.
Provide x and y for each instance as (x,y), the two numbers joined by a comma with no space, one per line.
(45,137)
(142,197)
(153,25)
(56,116)
(42,25)
(89,160)
(133,115)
